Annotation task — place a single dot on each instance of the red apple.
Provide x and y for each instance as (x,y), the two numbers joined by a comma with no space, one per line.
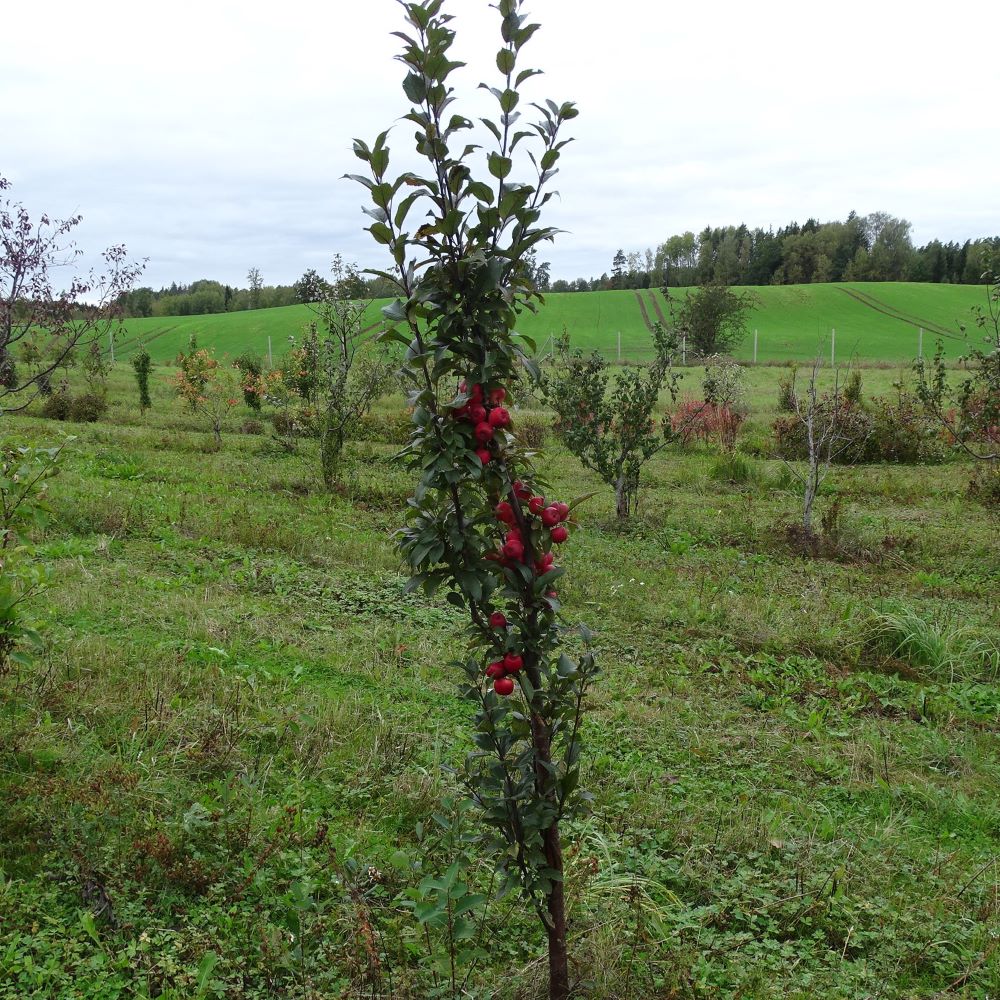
(513,549)
(513,662)
(477,413)
(550,516)
(499,417)
(552,593)
(536,505)
(498,620)
(559,535)
(497,396)
(484,455)
(484,433)
(504,512)
(503,686)
(563,510)
(496,669)
(521,491)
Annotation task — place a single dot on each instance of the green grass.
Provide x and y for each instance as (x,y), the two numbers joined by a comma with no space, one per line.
(793,323)
(240,714)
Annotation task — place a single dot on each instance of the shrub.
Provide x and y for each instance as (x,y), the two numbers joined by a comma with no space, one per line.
(57,406)
(854,428)
(88,407)
(852,388)
(251,427)
(786,393)
(902,432)
(533,432)
(984,485)
(701,420)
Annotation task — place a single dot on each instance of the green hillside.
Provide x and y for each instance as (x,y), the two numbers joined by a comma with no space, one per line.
(875,321)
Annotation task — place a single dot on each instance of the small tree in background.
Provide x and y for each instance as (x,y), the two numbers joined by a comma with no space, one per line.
(197,367)
(255,284)
(311,287)
(711,319)
(251,367)
(84,313)
(142,365)
(830,433)
(607,418)
(969,412)
(479,526)
(349,384)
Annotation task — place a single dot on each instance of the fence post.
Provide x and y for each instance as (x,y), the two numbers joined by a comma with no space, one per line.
(833,348)
(920,343)
(111,341)
(755,347)
(619,346)
(684,350)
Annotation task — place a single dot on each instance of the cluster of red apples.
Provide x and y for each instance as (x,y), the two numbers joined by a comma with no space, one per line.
(528,532)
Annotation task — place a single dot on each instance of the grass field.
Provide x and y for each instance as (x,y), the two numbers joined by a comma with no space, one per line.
(240,721)
(793,323)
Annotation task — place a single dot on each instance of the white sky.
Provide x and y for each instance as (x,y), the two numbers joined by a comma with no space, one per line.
(210,137)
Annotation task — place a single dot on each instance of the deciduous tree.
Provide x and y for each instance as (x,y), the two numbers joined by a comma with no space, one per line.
(84,312)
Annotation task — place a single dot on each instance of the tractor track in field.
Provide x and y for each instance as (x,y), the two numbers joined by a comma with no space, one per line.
(142,342)
(656,306)
(132,341)
(886,310)
(642,309)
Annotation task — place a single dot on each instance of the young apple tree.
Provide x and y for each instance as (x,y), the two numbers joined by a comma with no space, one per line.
(608,421)
(353,374)
(479,525)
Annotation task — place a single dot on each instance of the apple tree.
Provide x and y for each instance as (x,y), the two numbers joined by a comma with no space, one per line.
(480,526)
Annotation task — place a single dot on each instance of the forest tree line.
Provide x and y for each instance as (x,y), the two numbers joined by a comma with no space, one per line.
(874,247)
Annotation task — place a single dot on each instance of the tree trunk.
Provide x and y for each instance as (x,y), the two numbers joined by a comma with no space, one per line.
(558,954)
(622,498)
(556,900)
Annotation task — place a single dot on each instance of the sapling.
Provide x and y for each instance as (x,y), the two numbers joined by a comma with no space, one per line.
(479,525)
(143,365)
(607,419)
(829,434)
(352,374)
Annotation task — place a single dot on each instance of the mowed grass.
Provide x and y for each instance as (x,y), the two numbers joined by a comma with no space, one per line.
(213,777)
(793,322)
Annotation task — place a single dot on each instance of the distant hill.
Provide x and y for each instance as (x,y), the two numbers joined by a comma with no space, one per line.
(877,321)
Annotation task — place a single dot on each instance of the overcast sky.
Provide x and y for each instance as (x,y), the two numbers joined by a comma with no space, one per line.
(210,137)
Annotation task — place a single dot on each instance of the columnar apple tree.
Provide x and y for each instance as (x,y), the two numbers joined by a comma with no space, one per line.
(480,523)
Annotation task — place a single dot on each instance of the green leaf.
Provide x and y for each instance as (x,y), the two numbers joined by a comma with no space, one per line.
(415,88)
(381,232)
(500,166)
(506,61)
